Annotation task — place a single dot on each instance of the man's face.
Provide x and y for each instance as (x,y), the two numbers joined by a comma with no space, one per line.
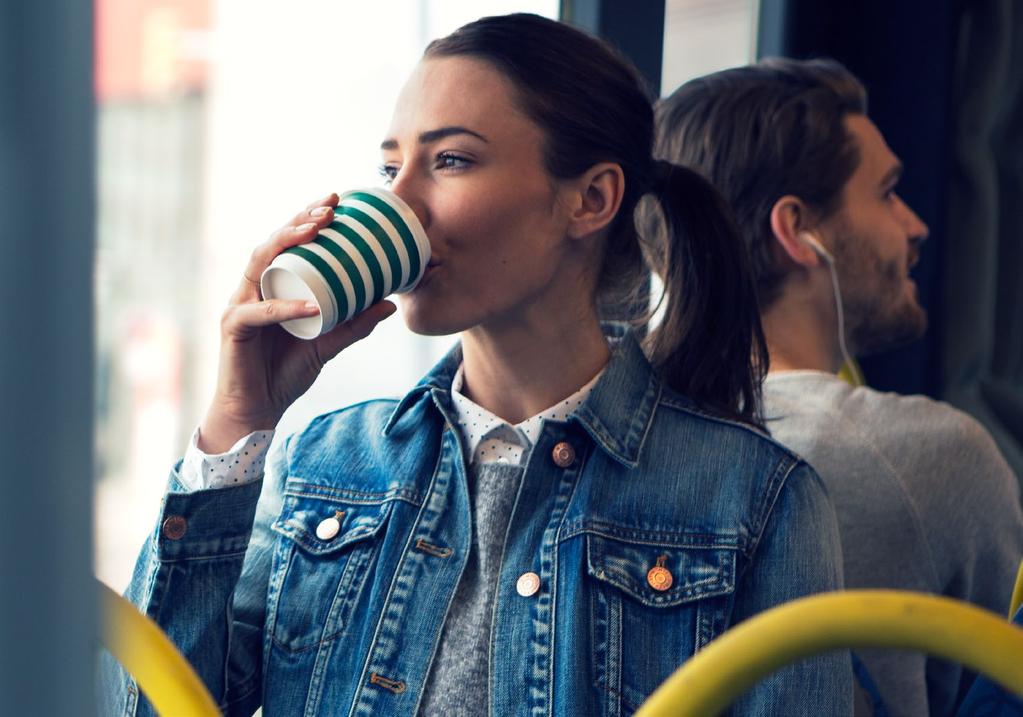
(875,239)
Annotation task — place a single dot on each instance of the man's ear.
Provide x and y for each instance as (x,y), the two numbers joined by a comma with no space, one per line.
(596,198)
(790,226)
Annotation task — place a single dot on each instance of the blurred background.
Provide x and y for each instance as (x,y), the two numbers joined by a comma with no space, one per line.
(146,146)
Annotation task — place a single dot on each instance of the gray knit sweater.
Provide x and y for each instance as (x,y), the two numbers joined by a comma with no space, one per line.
(458,683)
(925,502)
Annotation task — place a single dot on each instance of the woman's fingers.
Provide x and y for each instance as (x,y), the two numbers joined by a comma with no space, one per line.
(239,319)
(281,240)
(328,201)
(331,344)
(300,230)
(286,237)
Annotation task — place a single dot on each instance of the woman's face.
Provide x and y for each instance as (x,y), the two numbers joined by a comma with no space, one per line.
(470,164)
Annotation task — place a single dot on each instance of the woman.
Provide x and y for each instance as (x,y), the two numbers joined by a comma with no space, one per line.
(550,522)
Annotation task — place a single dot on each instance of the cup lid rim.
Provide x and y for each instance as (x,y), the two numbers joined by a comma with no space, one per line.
(307,273)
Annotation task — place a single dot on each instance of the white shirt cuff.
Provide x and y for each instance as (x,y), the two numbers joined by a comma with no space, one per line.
(243,463)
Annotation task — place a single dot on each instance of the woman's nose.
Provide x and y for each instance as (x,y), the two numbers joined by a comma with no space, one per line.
(405,186)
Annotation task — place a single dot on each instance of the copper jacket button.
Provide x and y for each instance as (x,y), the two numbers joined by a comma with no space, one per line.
(175,527)
(563,455)
(659,578)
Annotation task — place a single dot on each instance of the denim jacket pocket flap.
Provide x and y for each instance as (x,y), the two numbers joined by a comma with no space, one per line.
(659,575)
(321,526)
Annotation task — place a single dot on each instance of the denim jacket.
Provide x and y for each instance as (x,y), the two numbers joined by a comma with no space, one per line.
(270,612)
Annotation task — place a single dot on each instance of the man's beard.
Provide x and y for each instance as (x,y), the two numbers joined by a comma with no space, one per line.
(879,313)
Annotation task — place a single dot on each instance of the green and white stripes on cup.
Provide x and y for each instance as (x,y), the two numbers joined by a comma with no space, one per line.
(368,252)
(374,247)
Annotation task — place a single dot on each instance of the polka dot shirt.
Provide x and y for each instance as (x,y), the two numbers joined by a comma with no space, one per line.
(242,464)
(490,439)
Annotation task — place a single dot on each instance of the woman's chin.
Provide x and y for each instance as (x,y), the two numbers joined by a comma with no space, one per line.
(427,321)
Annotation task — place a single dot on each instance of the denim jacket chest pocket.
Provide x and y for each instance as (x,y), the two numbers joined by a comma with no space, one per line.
(655,603)
(327,547)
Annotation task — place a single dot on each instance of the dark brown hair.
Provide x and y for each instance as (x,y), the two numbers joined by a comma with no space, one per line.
(761,132)
(593,107)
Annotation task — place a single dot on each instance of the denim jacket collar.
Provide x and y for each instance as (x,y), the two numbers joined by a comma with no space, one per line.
(438,380)
(620,409)
(617,414)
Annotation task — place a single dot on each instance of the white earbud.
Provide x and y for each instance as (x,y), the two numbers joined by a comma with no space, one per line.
(814,243)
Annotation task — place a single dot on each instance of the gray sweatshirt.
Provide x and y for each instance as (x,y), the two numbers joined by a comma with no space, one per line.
(925,502)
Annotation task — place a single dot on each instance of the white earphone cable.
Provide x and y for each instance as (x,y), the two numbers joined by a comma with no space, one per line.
(854,371)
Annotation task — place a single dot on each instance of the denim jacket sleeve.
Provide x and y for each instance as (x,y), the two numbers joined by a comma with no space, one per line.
(206,588)
(798,554)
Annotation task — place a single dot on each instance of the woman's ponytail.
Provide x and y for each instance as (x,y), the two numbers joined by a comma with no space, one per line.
(709,344)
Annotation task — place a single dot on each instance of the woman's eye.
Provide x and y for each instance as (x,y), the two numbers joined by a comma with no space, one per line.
(446,160)
(388,172)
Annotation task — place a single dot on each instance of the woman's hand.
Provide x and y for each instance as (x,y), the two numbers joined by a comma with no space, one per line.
(263,368)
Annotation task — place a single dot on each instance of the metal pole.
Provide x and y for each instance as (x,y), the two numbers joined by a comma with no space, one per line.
(636,28)
(47,600)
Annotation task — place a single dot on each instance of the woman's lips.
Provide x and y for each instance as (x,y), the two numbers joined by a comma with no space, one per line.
(431,267)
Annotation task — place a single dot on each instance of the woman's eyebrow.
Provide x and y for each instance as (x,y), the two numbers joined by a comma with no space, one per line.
(434,135)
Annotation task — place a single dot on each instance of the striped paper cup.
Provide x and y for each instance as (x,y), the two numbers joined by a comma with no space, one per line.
(374,247)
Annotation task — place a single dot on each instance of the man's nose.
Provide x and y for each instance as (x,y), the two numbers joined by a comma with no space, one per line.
(915,226)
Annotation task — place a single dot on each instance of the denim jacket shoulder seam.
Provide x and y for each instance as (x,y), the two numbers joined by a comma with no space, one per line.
(768,497)
(672,400)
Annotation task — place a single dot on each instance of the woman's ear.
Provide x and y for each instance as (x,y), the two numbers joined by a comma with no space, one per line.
(597,197)
(790,226)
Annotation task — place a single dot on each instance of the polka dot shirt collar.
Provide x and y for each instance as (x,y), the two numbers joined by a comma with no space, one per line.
(490,439)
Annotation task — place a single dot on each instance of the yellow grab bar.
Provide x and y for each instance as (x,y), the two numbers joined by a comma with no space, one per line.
(142,648)
(1017,593)
(731,664)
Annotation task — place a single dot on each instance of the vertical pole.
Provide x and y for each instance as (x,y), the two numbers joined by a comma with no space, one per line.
(47,197)
(636,28)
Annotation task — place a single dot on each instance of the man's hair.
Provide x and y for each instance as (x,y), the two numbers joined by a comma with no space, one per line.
(761,132)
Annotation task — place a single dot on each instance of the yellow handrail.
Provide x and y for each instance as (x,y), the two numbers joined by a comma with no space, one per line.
(731,664)
(1017,593)
(161,672)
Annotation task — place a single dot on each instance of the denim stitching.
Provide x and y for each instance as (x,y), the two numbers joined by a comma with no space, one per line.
(655,538)
(385,641)
(618,695)
(545,607)
(348,588)
(300,489)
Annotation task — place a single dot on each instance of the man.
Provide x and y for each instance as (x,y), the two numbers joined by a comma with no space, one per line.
(925,501)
